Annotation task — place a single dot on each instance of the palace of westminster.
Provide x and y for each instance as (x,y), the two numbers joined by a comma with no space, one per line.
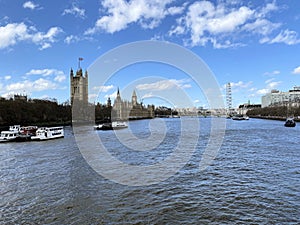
(121,109)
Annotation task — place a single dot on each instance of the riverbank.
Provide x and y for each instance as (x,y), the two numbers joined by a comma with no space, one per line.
(40,124)
(281,118)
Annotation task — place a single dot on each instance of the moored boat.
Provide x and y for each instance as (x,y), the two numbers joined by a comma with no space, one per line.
(116,125)
(240,117)
(11,134)
(46,133)
(7,136)
(103,126)
(26,132)
(290,122)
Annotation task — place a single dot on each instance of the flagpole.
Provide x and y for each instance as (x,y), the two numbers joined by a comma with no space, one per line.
(79,59)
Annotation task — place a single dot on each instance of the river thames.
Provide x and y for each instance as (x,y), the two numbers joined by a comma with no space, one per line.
(254,179)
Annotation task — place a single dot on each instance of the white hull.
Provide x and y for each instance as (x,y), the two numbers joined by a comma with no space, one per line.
(11,134)
(48,133)
(116,125)
(7,139)
(36,138)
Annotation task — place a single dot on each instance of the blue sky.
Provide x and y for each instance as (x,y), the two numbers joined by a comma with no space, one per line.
(254,45)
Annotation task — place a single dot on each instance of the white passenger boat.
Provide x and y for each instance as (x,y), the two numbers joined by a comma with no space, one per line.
(240,117)
(11,134)
(115,125)
(46,133)
(8,136)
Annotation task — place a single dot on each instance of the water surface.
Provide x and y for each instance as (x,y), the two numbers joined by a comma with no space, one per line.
(254,179)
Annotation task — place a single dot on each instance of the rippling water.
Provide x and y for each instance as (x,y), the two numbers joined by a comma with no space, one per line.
(254,179)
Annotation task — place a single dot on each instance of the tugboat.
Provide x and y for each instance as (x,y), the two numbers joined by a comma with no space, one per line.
(290,122)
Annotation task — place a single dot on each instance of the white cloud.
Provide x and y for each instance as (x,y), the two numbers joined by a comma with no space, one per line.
(75,38)
(112,96)
(71,39)
(103,88)
(121,13)
(228,23)
(269,80)
(13,33)
(287,37)
(164,85)
(263,91)
(274,84)
(158,37)
(176,10)
(296,70)
(92,97)
(225,44)
(31,86)
(267,9)
(60,78)
(30,5)
(240,84)
(270,85)
(275,72)
(45,46)
(45,72)
(8,77)
(261,26)
(59,75)
(75,10)
(148,95)
(204,21)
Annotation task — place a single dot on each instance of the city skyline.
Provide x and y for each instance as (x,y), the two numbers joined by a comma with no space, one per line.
(253,45)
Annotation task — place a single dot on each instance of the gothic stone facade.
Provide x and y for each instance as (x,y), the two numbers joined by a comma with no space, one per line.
(79,87)
(124,110)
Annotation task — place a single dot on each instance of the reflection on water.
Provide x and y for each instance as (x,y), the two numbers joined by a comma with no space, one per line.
(254,179)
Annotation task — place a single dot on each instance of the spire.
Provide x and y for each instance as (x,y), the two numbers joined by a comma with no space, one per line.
(133,94)
(118,98)
(134,98)
(108,102)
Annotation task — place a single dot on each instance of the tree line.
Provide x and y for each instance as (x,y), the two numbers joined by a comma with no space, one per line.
(275,111)
(33,112)
(46,112)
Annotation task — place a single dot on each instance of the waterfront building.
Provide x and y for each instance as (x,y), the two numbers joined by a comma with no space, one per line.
(243,109)
(124,110)
(188,111)
(79,86)
(278,98)
(20,97)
